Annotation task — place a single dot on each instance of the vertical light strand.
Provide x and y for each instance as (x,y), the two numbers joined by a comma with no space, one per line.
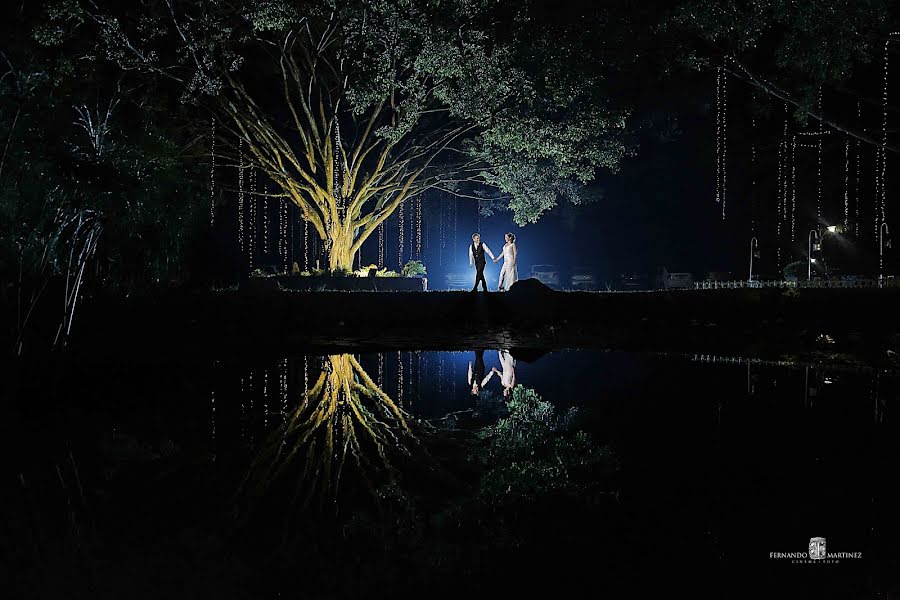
(381,245)
(857,173)
(793,189)
(305,245)
(724,141)
(719,135)
(212,404)
(419,227)
(884,136)
(441,230)
(285,210)
(846,183)
(753,176)
(399,378)
(212,176)
(265,220)
(265,397)
(400,236)
(284,385)
(253,220)
(819,161)
(241,195)
(305,375)
(782,186)
(381,370)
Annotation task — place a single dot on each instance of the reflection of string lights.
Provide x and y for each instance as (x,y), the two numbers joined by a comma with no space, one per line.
(399,378)
(212,175)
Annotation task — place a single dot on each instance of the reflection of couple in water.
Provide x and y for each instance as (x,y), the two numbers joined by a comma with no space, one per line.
(477,378)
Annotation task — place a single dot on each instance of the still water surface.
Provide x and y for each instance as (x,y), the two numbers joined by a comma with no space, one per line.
(460,472)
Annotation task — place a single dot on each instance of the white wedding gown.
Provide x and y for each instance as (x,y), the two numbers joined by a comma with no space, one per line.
(509,274)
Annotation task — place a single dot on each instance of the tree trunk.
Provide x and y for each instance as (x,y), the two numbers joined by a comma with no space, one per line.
(340,254)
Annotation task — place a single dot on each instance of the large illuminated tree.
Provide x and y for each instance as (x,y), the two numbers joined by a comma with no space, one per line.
(353,108)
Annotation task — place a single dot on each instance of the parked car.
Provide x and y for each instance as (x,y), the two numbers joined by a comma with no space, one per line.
(459,280)
(582,278)
(633,281)
(547,274)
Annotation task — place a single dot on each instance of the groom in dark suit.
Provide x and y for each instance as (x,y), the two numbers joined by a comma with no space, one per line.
(476,257)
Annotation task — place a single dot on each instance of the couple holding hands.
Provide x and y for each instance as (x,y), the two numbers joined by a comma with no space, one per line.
(509,274)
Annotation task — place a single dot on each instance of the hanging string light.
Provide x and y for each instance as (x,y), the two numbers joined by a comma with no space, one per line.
(305,375)
(721,136)
(753,178)
(265,397)
(253,218)
(265,220)
(782,185)
(419,227)
(400,234)
(283,385)
(884,135)
(381,245)
(284,234)
(212,175)
(305,245)
(846,183)
(241,195)
(819,162)
(212,404)
(441,230)
(856,170)
(793,189)
(381,370)
(455,222)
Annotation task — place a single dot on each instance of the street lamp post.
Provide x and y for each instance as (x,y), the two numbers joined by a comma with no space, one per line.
(754,253)
(882,230)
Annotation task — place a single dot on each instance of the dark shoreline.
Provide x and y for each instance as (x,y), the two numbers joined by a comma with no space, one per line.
(762,323)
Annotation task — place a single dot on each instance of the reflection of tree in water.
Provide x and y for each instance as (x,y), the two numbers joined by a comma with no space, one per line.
(344,420)
(462,494)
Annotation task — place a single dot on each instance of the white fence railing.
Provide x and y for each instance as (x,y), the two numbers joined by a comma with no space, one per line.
(816,283)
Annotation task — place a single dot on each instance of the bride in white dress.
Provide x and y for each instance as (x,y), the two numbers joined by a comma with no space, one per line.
(509,273)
